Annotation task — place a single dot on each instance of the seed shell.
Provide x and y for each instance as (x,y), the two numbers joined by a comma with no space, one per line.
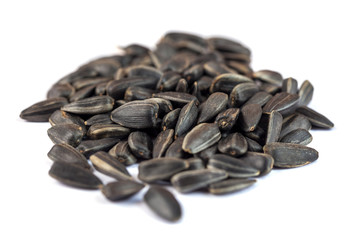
(121,189)
(290,85)
(140,144)
(250,115)
(66,153)
(242,92)
(92,105)
(298,136)
(282,102)
(89,147)
(230,185)
(234,144)
(66,133)
(316,119)
(227,119)
(306,92)
(123,153)
(187,118)
(215,103)
(162,142)
(98,131)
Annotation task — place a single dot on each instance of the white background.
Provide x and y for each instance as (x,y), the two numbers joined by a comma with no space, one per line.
(316,40)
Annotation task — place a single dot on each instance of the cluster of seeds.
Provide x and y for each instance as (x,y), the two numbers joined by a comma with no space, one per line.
(191,113)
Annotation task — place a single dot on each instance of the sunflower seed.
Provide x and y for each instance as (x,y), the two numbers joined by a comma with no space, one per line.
(282,102)
(186,119)
(123,153)
(73,175)
(227,119)
(61,90)
(253,146)
(103,118)
(234,167)
(121,190)
(41,111)
(192,180)
(306,92)
(227,81)
(242,92)
(240,67)
(140,144)
(66,153)
(201,137)
(89,147)
(161,168)
(298,136)
(213,68)
(60,117)
(145,72)
(289,155)
(269,76)
(260,98)
(274,123)
(87,82)
(206,154)
(137,93)
(98,131)
(92,105)
(227,45)
(178,99)
(165,105)
(316,119)
(293,122)
(109,165)
(162,142)
(250,115)
(234,144)
(215,103)
(168,81)
(175,149)
(290,85)
(195,163)
(230,185)
(66,133)
(193,73)
(260,161)
(170,119)
(163,203)
(182,86)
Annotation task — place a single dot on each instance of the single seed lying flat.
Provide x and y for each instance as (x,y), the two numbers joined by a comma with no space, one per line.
(227,81)
(41,111)
(140,144)
(316,119)
(230,185)
(60,117)
(289,155)
(260,98)
(66,133)
(269,77)
(192,180)
(163,203)
(91,105)
(187,118)
(73,175)
(215,103)
(99,130)
(103,118)
(281,102)
(195,163)
(298,136)
(161,168)
(109,165)
(201,137)
(175,149)
(67,153)
(89,147)
(121,190)
(242,92)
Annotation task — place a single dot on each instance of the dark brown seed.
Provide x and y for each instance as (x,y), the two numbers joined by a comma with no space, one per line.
(182,86)
(204,83)
(123,153)
(165,105)
(100,88)
(289,155)
(103,118)
(227,119)
(206,154)
(60,90)
(269,88)
(73,175)
(140,144)
(177,63)
(274,124)
(186,119)
(144,71)
(161,168)
(298,136)
(242,92)
(213,68)
(316,119)
(99,130)
(60,117)
(170,119)
(227,45)
(290,85)
(109,165)
(83,93)
(175,149)
(230,185)
(260,98)
(193,73)
(163,203)
(89,147)
(215,103)
(67,153)
(136,114)
(269,76)
(137,93)
(41,111)
(192,180)
(195,163)
(86,82)
(92,105)
(253,146)
(234,167)
(260,161)
(250,115)
(236,57)
(227,81)
(306,92)
(293,122)
(177,98)
(240,67)
(259,135)
(66,133)
(121,190)
(201,137)
(168,81)
(282,102)
(162,142)
(234,145)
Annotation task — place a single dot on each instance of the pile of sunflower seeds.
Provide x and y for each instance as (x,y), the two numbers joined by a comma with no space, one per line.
(191,113)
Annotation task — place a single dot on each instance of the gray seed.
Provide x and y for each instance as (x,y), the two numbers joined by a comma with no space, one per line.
(195,163)
(282,102)
(250,115)
(60,90)
(316,119)
(162,142)
(123,153)
(234,167)
(306,92)
(192,180)
(89,147)
(227,119)
(269,88)
(99,130)
(60,117)
(161,168)
(275,120)
(92,105)
(144,71)
(227,45)
(234,144)
(121,190)
(253,146)
(201,137)
(230,185)
(163,203)
(73,175)
(170,119)
(227,81)
(260,161)
(41,111)
(140,144)
(289,155)
(67,153)
(109,165)
(290,85)
(175,149)
(293,122)
(136,114)
(186,119)
(242,92)
(269,76)
(71,134)
(298,136)
(215,103)
(206,154)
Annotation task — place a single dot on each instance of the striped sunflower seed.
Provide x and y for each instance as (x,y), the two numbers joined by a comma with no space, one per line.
(316,119)
(234,144)
(140,144)
(230,185)
(298,136)
(71,134)
(215,103)
(66,153)
(92,105)
(121,189)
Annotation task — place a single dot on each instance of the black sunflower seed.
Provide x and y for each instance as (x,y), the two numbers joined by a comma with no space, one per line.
(121,189)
